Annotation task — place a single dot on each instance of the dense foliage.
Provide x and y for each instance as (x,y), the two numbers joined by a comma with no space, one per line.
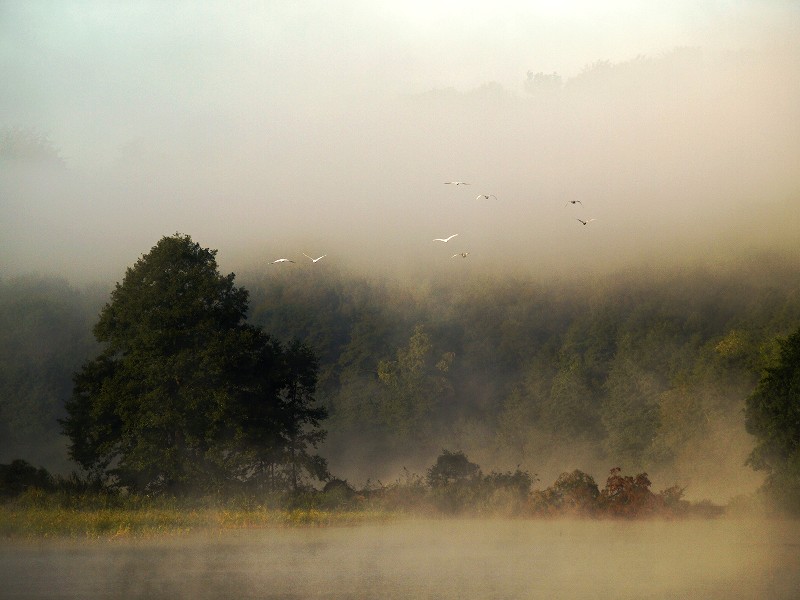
(648,371)
(45,334)
(773,416)
(185,394)
(641,370)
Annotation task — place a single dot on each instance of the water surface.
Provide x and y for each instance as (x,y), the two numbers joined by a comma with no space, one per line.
(423,559)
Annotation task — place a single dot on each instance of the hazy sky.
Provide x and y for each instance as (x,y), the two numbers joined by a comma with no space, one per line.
(268,129)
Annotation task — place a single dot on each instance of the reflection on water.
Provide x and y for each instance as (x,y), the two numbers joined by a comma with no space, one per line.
(423,559)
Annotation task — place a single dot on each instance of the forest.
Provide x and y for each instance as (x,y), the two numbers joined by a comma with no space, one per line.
(644,371)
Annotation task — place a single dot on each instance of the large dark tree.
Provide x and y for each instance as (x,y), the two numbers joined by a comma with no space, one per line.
(773,416)
(185,395)
(280,435)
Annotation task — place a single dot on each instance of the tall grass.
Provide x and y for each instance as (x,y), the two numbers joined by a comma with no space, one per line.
(36,514)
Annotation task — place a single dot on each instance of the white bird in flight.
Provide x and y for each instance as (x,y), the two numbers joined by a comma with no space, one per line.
(485,196)
(586,222)
(461,254)
(315,259)
(281,260)
(456,183)
(445,240)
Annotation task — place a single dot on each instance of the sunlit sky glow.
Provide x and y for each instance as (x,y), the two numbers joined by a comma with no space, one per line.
(256,127)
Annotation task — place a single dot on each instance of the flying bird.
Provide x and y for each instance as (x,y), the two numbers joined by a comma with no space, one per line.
(573,202)
(485,196)
(456,183)
(586,222)
(315,259)
(445,240)
(461,254)
(281,260)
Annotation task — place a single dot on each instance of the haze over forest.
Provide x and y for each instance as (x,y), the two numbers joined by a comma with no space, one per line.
(272,131)
(269,132)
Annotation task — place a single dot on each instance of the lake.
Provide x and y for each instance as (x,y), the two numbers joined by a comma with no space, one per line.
(439,559)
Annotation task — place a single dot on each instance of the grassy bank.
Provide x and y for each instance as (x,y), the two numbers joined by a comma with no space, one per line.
(454,487)
(55,522)
(38,514)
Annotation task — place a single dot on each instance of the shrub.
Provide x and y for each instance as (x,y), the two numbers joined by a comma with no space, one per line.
(626,496)
(19,476)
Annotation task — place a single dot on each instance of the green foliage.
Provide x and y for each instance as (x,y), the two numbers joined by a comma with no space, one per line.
(681,421)
(773,417)
(186,395)
(451,468)
(571,409)
(415,385)
(571,493)
(621,366)
(302,419)
(630,410)
(455,484)
(635,368)
(44,337)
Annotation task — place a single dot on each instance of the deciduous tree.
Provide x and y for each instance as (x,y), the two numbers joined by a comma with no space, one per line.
(772,415)
(185,393)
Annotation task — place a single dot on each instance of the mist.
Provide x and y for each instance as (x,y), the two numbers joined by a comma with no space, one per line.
(271,131)
(441,559)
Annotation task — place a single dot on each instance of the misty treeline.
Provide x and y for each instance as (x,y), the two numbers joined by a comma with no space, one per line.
(644,371)
(638,367)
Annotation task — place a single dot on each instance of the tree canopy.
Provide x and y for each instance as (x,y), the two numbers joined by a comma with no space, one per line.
(773,416)
(644,372)
(185,394)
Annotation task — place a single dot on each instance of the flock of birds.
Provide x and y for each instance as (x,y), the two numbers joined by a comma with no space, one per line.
(442,240)
(581,221)
(284,260)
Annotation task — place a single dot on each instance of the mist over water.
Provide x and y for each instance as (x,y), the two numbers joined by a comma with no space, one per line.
(722,559)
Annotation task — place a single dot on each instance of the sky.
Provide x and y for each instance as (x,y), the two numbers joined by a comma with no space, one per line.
(273,129)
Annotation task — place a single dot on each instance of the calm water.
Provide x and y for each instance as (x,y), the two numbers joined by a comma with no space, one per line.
(423,559)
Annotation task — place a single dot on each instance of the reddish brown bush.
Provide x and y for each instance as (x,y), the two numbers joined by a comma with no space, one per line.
(626,496)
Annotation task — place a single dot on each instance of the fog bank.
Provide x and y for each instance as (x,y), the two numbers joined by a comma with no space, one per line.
(276,131)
